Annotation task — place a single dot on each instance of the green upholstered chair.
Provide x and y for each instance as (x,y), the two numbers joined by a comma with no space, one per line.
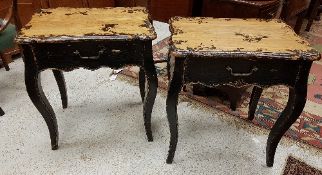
(7,42)
(8,32)
(7,35)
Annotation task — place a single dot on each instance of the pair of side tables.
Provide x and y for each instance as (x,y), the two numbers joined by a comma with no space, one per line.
(208,51)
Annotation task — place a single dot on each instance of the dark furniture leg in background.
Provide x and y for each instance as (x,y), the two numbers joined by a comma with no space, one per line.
(256,94)
(59,76)
(234,95)
(318,17)
(4,62)
(1,112)
(313,13)
(152,85)
(299,22)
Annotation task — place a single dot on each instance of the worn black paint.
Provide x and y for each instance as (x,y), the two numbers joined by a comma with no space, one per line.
(1,112)
(88,54)
(256,94)
(213,72)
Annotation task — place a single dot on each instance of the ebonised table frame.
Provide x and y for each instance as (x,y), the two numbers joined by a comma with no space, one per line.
(88,54)
(215,71)
(1,112)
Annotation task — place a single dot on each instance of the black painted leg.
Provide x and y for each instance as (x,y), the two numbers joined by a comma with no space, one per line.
(234,95)
(142,83)
(1,112)
(59,76)
(168,70)
(6,66)
(152,85)
(256,94)
(172,101)
(294,108)
(37,96)
(4,62)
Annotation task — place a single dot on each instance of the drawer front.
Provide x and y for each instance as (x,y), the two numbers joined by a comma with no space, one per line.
(240,72)
(112,54)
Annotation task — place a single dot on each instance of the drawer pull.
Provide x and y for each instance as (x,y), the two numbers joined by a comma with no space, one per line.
(100,53)
(241,74)
(116,51)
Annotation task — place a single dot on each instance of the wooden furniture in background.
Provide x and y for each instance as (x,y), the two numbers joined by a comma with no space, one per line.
(245,53)
(123,37)
(240,8)
(163,10)
(8,32)
(319,11)
(77,3)
(313,13)
(27,8)
(125,3)
(294,12)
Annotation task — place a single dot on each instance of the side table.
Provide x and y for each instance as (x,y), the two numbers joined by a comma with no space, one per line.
(239,52)
(64,39)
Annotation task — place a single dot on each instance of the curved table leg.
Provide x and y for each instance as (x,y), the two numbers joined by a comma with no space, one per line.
(150,94)
(168,70)
(1,112)
(294,108)
(4,61)
(142,83)
(59,76)
(256,94)
(175,87)
(37,96)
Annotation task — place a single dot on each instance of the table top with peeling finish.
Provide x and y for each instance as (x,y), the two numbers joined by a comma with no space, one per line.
(74,24)
(246,38)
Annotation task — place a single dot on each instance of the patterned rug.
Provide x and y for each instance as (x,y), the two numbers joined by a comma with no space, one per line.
(308,128)
(294,166)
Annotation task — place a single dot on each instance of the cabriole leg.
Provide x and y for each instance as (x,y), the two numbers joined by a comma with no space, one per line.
(59,76)
(37,96)
(151,90)
(294,108)
(175,87)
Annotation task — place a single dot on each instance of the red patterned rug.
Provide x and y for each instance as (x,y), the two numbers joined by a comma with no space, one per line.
(295,166)
(308,128)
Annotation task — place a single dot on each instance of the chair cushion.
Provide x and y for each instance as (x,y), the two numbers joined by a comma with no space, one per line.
(7,37)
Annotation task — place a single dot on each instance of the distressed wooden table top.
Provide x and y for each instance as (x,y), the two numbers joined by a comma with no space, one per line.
(247,38)
(65,24)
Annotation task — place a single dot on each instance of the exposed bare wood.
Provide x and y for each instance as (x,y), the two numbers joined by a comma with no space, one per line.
(249,37)
(85,23)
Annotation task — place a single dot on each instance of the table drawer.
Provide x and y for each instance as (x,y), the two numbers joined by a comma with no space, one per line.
(113,54)
(235,72)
